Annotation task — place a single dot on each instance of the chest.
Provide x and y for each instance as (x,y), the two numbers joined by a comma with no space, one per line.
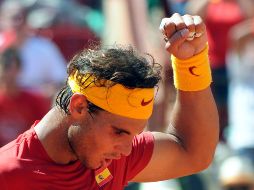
(48,177)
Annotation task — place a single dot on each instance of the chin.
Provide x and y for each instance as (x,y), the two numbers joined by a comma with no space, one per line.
(91,165)
(94,167)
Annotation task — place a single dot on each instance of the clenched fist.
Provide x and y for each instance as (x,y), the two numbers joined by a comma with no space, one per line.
(185,36)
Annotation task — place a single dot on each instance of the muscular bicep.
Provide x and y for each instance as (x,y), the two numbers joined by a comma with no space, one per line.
(169,160)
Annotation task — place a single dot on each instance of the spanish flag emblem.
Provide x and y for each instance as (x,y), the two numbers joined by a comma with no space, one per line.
(103,176)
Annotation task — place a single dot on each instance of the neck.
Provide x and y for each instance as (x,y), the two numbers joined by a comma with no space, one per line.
(52,131)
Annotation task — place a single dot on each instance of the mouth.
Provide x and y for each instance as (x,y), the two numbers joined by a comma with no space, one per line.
(108,161)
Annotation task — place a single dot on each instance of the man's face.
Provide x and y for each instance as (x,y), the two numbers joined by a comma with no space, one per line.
(97,141)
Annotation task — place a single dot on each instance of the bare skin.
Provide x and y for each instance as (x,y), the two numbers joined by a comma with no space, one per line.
(190,143)
(188,147)
(95,141)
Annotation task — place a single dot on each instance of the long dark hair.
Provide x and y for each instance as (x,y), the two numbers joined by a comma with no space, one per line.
(122,65)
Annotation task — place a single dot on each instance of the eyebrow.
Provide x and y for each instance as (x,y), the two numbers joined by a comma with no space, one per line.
(120,129)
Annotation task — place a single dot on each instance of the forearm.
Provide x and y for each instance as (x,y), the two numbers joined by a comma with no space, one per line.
(196,124)
(189,147)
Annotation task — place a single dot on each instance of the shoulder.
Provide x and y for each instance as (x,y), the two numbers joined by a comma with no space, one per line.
(15,153)
(143,139)
(11,170)
(16,148)
(7,151)
(8,161)
(142,149)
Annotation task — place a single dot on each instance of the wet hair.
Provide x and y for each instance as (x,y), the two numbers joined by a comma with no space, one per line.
(119,64)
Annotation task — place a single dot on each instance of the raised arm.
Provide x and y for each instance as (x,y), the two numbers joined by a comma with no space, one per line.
(189,145)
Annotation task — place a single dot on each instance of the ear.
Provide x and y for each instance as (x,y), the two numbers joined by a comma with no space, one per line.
(78,106)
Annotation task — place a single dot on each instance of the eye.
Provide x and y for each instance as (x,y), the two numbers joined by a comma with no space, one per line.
(119,132)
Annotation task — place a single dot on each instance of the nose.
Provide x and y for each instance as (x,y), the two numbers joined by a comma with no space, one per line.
(127,150)
(124,149)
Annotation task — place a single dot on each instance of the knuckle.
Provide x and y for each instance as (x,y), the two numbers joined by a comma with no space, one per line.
(180,25)
(163,20)
(164,24)
(169,28)
(187,16)
(176,14)
(190,26)
(199,18)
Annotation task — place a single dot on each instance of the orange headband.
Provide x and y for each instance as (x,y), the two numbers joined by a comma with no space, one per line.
(134,103)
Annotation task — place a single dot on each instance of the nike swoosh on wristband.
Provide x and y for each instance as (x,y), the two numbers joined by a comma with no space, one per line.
(191,70)
(145,103)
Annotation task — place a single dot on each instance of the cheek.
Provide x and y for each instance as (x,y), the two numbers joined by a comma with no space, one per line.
(96,144)
(92,140)
(104,144)
(124,145)
(103,140)
(79,140)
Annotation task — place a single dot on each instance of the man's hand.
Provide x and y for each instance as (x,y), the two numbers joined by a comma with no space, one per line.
(185,36)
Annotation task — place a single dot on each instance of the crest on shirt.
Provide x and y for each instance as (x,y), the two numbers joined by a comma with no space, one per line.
(103,176)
